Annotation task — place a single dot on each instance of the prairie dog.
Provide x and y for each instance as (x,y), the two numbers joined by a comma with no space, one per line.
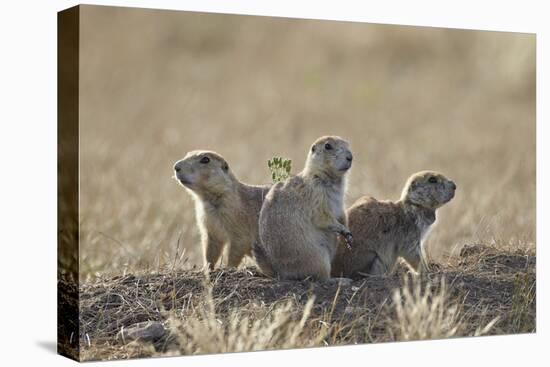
(226,209)
(301,217)
(384,231)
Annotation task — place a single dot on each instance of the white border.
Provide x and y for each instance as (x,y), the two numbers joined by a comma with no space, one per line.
(28,183)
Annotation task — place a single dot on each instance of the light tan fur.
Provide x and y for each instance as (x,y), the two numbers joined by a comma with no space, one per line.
(227,210)
(301,217)
(383,231)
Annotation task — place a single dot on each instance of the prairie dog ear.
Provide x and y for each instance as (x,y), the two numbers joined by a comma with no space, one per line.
(225,166)
(313,148)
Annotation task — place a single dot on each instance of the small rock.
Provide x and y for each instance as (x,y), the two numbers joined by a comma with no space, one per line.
(344,282)
(148,331)
(349,310)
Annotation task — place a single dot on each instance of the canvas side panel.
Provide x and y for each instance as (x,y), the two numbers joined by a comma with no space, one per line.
(67,182)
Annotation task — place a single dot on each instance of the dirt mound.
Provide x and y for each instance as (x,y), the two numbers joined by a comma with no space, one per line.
(490,259)
(109,305)
(485,282)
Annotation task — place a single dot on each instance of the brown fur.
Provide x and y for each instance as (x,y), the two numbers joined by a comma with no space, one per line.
(383,231)
(301,217)
(227,210)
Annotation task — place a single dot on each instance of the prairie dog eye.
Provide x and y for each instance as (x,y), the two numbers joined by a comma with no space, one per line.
(432,179)
(328,146)
(205,160)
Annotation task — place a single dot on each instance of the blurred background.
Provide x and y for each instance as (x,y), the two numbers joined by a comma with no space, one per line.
(156,84)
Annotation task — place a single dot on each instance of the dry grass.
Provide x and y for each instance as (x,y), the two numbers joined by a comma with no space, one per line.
(243,330)
(239,310)
(157,84)
(424,314)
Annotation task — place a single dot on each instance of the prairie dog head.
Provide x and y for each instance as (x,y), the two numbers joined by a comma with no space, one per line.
(204,172)
(329,155)
(428,189)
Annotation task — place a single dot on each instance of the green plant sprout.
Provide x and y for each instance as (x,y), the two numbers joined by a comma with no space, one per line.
(280,168)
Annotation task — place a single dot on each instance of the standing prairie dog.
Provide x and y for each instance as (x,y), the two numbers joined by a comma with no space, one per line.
(301,217)
(227,210)
(384,231)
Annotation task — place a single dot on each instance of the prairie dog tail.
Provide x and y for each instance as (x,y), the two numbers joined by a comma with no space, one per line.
(262,259)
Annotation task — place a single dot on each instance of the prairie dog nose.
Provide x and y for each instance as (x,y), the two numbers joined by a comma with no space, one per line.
(349,157)
(453,185)
(177,168)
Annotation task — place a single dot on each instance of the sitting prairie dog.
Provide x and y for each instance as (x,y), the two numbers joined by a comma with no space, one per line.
(226,209)
(383,231)
(301,217)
